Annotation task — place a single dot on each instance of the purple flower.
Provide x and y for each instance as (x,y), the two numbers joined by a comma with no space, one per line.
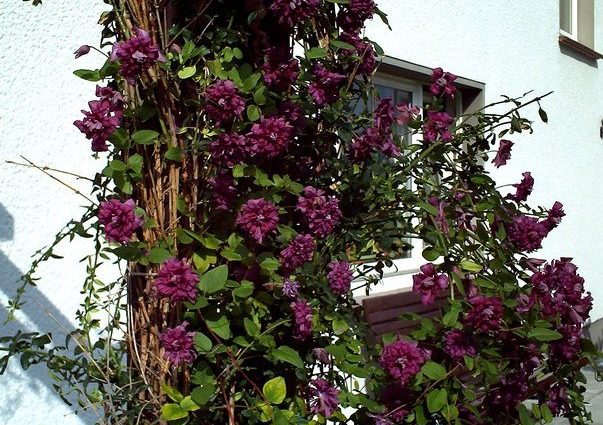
(442,83)
(402,360)
(559,290)
(397,399)
(229,150)
(367,63)
(119,219)
(302,314)
(524,188)
(178,345)
(292,12)
(555,215)
(322,356)
(297,253)
(407,113)
(485,315)
(177,281)
(324,399)
(437,126)
(526,233)
(558,399)
(353,17)
(503,154)
(340,277)
(136,55)
(566,349)
(325,86)
(280,70)
(320,212)
(258,218)
(81,51)
(103,118)
(440,219)
(223,102)
(458,344)
(429,284)
(224,191)
(511,390)
(290,288)
(270,137)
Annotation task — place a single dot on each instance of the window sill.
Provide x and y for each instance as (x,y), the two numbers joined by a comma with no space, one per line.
(579,48)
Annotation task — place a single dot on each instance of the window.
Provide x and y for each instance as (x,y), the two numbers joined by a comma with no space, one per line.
(577,26)
(406,82)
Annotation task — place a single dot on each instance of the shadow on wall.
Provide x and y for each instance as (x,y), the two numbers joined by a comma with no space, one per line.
(40,315)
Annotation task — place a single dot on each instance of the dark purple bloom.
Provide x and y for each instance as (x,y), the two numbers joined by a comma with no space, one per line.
(119,219)
(566,349)
(258,218)
(437,126)
(270,137)
(440,219)
(353,17)
(402,360)
(223,102)
(503,154)
(322,355)
(229,149)
(373,140)
(294,113)
(178,345)
(511,390)
(524,188)
(103,118)
(557,399)
(325,86)
(302,314)
(297,253)
(407,113)
(526,233)
(559,290)
(397,400)
(459,344)
(280,70)
(292,12)
(442,83)
(290,288)
(324,399)
(367,62)
(485,315)
(81,51)
(177,281)
(136,55)
(429,284)
(320,212)
(224,191)
(555,215)
(340,277)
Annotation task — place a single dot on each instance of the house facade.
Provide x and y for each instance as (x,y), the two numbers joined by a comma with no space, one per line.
(495,48)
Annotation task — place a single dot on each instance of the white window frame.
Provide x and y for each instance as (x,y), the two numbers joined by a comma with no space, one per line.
(574,21)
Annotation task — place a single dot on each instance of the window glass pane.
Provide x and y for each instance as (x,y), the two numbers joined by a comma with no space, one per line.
(565,15)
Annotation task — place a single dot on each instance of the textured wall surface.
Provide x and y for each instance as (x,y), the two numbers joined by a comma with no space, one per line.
(511,46)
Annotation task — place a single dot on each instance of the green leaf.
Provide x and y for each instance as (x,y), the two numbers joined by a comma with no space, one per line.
(428,207)
(434,371)
(524,415)
(214,280)
(88,74)
(275,390)
(543,334)
(202,343)
(436,400)
(270,264)
(251,327)
(172,412)
(340,326)
(220,327)
(145,137)
(253,113)
(187,72)
(118,165)
(431,254)
(316,52)
(470,266)
(173,154)
(201,395)
(135,162)
(341,45)
(188,404)
(289,355)
(172,393)
(451,317)
(546,413)
(158,255)
(244,290)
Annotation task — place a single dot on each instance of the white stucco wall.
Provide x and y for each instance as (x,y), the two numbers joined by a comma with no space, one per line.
(511,46)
